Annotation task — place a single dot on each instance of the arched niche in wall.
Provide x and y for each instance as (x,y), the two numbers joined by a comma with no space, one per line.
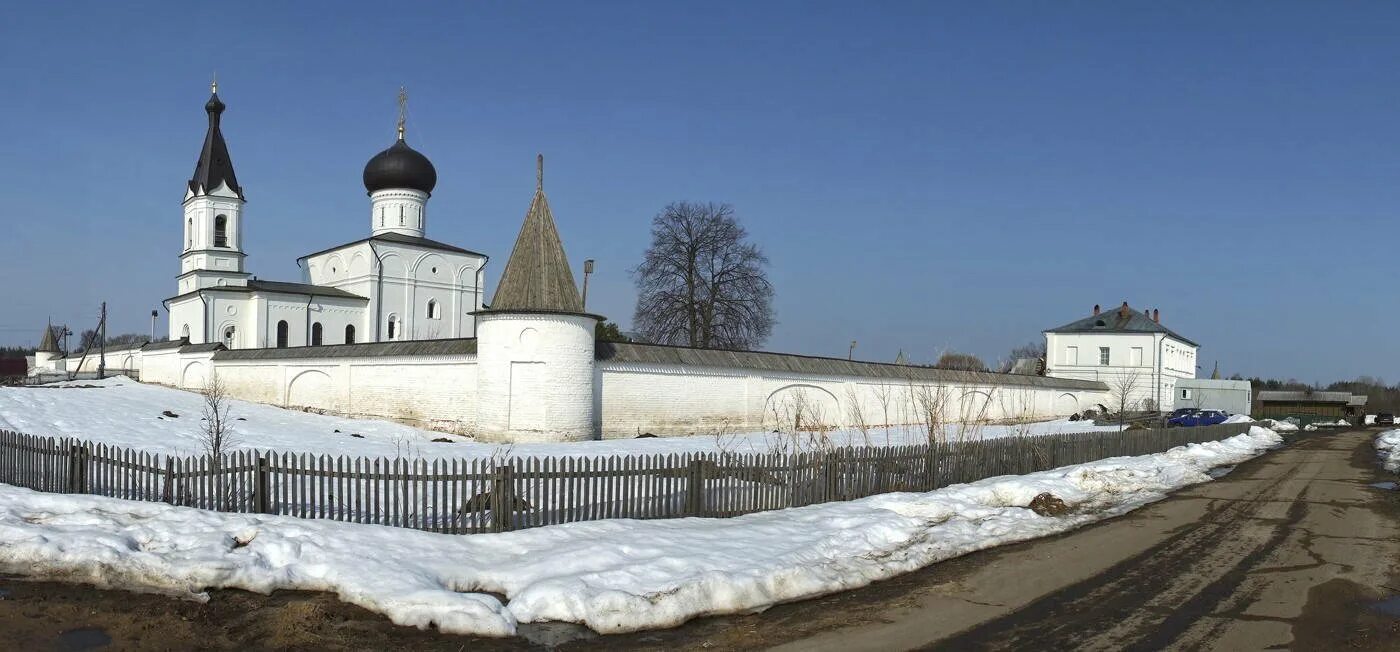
(194,375)
(312,388)
(801,408)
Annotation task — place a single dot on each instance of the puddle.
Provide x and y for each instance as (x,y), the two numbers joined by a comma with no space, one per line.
(1220,471)
(83,638)
(1389,606)
(553,634)
(1388,486)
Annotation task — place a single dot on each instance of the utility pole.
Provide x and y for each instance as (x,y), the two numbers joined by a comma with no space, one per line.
(587,271)
(851,352)
(102,343)
(153,326)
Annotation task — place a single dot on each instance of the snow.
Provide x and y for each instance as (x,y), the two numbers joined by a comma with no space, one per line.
(1279,426)
(1388,446)
(612,576)
(122,412)
(1239,418)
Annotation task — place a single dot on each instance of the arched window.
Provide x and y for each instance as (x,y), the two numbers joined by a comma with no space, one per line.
(316,334)
(189,233)
(228,337)
(221,231)
(185,332)
(393,327)
(434,312)
(350,334)
(282,334)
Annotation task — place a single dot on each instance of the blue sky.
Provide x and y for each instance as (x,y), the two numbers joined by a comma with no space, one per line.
(924,176)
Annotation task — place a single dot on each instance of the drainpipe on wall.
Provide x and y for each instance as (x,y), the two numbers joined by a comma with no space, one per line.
(309,299)
(1160,340)
(206,318)
(379,290)
(480,291)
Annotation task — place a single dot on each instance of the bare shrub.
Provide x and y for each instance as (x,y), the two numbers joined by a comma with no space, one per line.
(216,435)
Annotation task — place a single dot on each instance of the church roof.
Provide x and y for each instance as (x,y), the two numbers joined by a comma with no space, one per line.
(1119,320)
(48,344)
(214,165)
(301,288)
(537,275)
(400,238)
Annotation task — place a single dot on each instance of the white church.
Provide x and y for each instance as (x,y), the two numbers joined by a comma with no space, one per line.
(397,326)
(395,284)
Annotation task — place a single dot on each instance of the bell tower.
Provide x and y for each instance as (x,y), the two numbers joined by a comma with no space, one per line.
(212,246)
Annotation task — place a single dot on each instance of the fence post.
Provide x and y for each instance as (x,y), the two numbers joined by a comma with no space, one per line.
(831,467)
(168,486)
(695,488)
(77,469)
(261,502)
(502,498)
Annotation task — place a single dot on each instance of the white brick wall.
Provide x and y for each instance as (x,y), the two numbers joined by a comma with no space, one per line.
(536,378)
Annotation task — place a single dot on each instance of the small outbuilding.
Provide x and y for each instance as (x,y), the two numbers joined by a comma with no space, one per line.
(1232,396)
(1311,407)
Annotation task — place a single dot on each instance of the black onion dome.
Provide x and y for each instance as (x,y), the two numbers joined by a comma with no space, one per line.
(400,166)
(214,106)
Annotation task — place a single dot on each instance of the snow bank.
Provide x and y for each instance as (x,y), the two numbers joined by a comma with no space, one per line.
(1388,446)
(1239,418)
(1279,426)
(613,576)
(126,413)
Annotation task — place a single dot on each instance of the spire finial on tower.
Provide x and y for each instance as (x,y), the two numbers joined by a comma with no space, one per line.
(214,84)
(403,109)
(539,172)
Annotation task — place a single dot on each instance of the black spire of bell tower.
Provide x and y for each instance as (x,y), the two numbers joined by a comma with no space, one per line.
(214,165)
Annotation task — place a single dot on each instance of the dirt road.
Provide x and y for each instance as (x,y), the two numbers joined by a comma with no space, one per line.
(1293,550)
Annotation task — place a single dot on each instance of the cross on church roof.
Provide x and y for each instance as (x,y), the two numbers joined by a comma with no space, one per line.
(403,109)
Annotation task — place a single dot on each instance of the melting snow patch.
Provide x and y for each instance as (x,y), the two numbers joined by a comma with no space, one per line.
(1388,446)
(611,576)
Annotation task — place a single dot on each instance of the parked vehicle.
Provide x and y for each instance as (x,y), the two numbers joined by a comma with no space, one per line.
(1198,418)
(1385,419)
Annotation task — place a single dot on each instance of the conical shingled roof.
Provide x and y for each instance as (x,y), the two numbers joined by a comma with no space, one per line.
(214,165)
(537,275)
(48,344)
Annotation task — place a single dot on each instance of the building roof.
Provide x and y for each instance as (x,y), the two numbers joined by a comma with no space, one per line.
(301,288)
(460,346)
(283,287)
(400,166)
(1114,321)
(537,275)
(801,364)
(48,344)
(214,166)
(1275,396)
(168,344)
(400,238)
(1358,401)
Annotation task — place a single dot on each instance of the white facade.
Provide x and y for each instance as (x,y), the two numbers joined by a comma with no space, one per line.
(536,379)
(1149,362)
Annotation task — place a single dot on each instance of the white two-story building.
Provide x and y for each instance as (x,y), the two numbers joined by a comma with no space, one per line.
(1126,349)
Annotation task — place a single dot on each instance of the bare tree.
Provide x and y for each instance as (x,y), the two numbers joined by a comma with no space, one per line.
(217,433)
(700,283)
(1121,389)
(960,362)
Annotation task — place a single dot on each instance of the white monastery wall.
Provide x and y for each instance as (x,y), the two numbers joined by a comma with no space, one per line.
(682,400)
(536,379)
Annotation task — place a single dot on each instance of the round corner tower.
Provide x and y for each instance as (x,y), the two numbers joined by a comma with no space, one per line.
(536,371)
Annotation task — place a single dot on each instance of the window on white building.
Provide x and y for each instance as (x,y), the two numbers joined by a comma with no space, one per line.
(350,334)
(282,334)
(1071,355)
(1103,356)
(228,337)
(434,312)
(1135,356)
(1185,394)
(221,231)
(393,327)
(316,334)
(189,234)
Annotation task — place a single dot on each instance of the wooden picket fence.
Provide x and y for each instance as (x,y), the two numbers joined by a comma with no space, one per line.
(497,495)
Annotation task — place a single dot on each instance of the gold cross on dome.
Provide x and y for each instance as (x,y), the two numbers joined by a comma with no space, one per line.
(403,109)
